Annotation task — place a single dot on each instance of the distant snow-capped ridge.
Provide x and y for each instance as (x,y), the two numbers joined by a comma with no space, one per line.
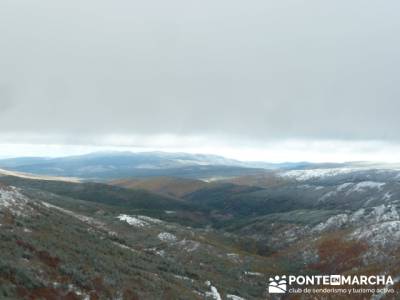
(303,175)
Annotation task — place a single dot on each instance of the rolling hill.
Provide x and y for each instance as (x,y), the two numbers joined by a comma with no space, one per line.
(116,165)
(171,186)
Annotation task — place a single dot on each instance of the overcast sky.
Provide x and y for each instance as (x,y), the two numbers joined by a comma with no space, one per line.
(249,79)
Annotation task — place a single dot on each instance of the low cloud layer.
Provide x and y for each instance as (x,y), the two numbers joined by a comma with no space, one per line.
(81,71)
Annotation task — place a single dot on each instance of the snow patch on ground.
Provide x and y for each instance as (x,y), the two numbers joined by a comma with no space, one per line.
(383,234)
(132,221)
(234,257)
(234,297)
(12,199)
(378,226)
(253,273)
(357,215)
(360,218)
(344,186)
(214,294)
(183,278)
(71,288)
(309,186)
(332,223)
(327,195)
(167,237)
(365,186)
(138,221)
(387,196)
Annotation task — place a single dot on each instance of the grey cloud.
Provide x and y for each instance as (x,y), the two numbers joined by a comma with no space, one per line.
(6,98)
(259,69)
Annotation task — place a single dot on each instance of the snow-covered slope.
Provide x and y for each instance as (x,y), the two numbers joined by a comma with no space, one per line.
(12,200)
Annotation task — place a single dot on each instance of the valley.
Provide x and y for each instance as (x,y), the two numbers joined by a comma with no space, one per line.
(163,237)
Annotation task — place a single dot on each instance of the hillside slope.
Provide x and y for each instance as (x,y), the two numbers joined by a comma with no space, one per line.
(57,247)
(77,240)
(171,186)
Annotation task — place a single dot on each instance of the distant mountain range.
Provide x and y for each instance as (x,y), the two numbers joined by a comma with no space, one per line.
(114,165)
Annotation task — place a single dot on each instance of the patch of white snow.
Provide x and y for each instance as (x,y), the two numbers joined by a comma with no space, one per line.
(167,237)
